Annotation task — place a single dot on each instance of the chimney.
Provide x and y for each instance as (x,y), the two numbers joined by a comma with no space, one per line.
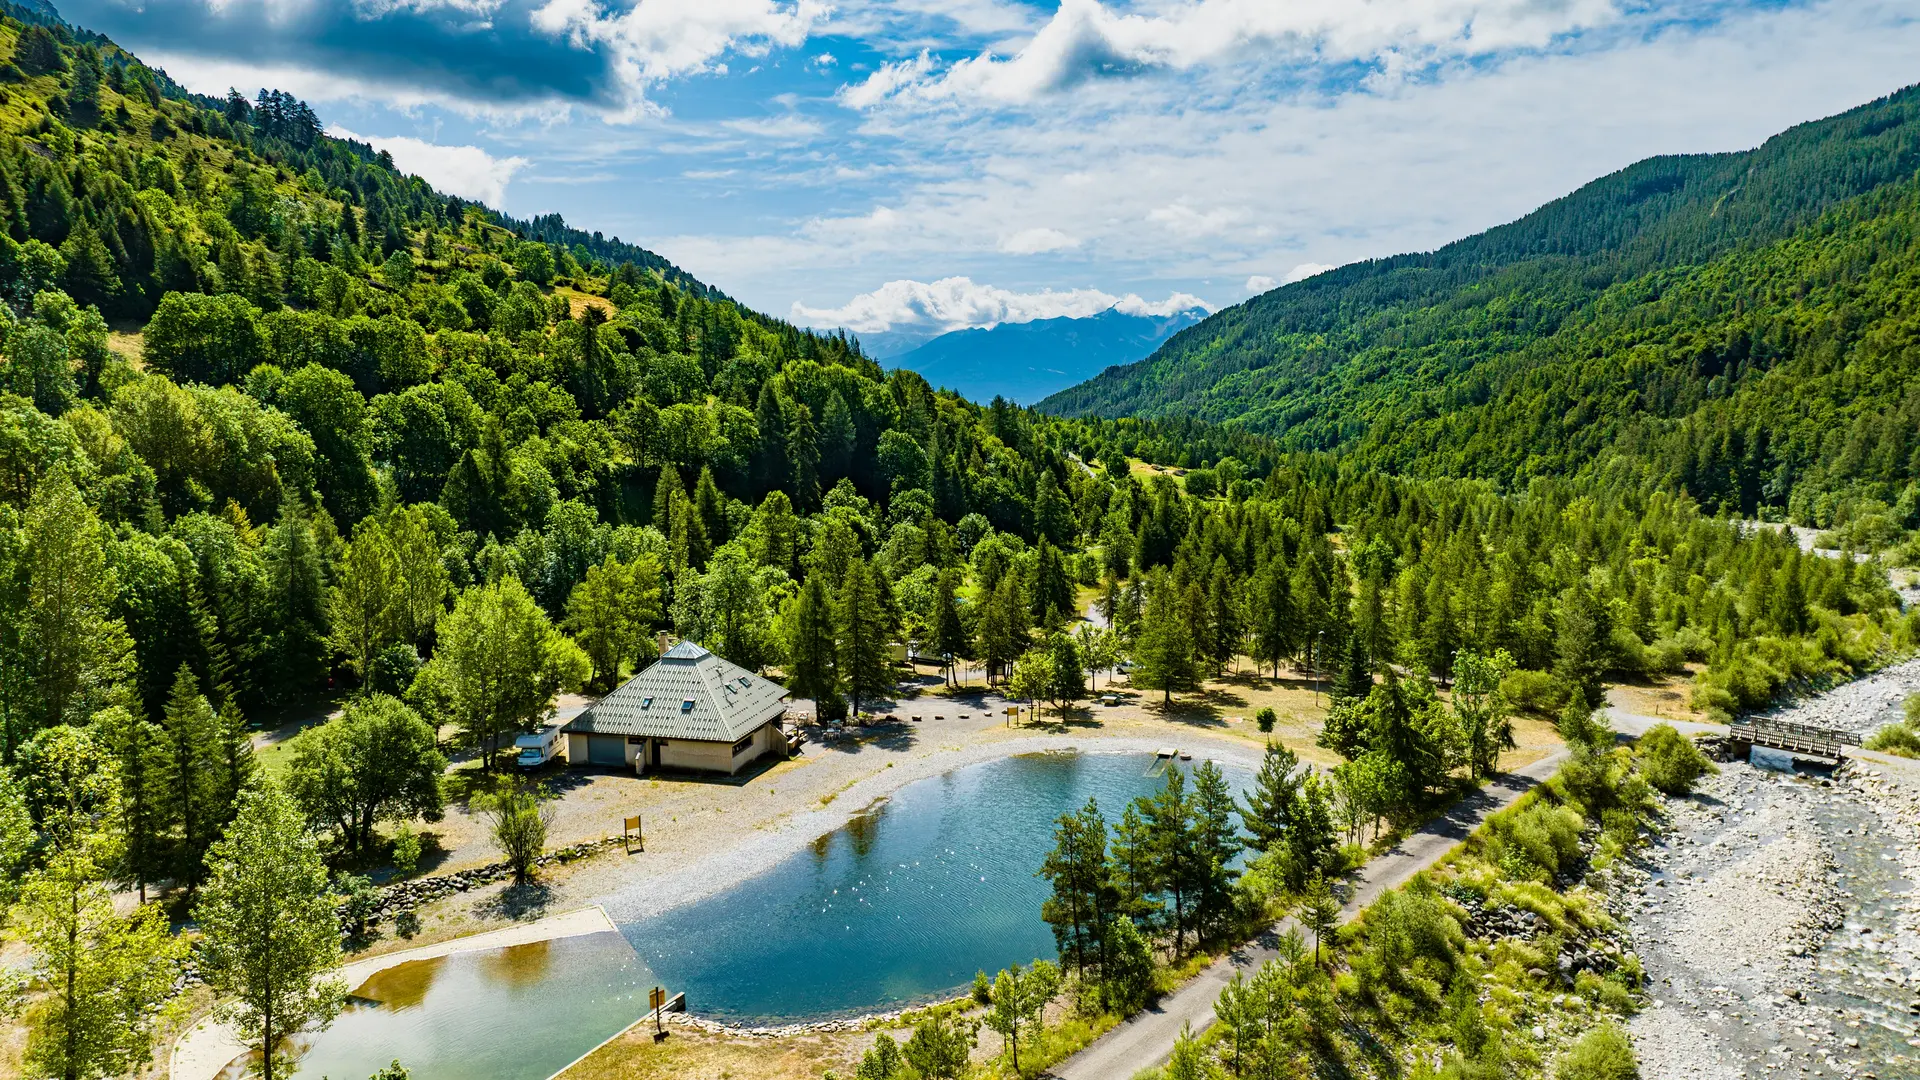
(660,644)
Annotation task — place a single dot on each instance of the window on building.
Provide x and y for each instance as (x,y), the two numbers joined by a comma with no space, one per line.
(646,703)
(743,746)
(687,705)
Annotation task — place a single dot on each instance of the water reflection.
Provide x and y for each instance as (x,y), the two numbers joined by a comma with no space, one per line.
(403,986)
(930,886)
(502,1014)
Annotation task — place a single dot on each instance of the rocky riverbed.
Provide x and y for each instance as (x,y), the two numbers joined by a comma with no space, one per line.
(1861,706)
(1779,925)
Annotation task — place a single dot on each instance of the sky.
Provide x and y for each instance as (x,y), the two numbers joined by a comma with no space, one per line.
(914,166)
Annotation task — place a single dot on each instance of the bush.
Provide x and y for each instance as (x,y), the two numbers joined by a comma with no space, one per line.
(982,988)
(1601,1054)
(1670,761)
(1900,739)
(520,822)
(1534,691)
(1265,718)
(406,851)
(1546,836)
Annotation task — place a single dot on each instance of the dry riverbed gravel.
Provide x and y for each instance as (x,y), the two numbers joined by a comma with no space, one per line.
(1780,930)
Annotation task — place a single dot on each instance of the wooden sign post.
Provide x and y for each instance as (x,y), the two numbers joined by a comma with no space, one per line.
(630,831)
(657,998)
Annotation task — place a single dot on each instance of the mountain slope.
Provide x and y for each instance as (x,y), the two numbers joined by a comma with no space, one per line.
(1417,360)
(1024,362)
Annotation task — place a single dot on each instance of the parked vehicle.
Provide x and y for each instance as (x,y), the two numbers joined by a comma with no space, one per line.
(538,748)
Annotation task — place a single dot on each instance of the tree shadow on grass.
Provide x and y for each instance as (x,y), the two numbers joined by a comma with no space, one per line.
(517,902)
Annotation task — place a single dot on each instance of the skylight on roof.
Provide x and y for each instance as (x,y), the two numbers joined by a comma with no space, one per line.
(646,702)
(687,705)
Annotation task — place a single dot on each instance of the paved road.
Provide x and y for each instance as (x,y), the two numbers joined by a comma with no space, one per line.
(1147,1039)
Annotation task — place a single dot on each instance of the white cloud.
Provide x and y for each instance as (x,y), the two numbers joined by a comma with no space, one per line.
(657,40)
(887,79)
(1037,241)
(1087,40)
(1304,271)
(788,128)
(212,75)
(466,171)
(1260,283)
(824,60)
(957,303)
(1322,179)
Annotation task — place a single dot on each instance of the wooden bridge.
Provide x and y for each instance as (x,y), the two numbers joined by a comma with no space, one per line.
(1793,738)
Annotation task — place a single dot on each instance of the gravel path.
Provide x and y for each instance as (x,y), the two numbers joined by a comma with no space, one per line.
(1147,1039)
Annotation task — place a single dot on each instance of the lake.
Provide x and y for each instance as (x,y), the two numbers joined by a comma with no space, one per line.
(900,906)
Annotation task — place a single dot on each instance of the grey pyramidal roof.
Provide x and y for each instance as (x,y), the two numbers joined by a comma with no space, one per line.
(689,693)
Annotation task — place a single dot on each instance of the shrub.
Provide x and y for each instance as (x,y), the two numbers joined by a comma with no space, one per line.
(982,988)
(1265,718)
(1670,761)
(520,822)
(1900,739)
(1545,836)
(406,851)
(1601,1054)
(1534,691)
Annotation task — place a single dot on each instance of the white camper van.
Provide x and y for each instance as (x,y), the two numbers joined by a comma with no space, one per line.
(538,748)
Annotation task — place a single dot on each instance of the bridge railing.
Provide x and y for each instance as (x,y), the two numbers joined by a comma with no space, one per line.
(1785,735)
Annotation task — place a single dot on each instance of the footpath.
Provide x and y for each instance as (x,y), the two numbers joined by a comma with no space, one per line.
(1147,1038)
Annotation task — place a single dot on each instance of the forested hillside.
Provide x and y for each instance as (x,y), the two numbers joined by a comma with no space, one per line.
(1737,326)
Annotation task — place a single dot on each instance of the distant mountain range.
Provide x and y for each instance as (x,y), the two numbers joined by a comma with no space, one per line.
(1024,362)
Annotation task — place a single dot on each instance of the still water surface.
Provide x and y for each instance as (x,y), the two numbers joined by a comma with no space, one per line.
(902,905)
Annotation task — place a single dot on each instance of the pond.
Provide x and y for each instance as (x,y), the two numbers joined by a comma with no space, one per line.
(900,906)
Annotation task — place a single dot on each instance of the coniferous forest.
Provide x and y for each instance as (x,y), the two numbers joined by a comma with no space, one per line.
(281,425)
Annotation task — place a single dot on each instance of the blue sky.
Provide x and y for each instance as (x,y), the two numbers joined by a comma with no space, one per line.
(920,165)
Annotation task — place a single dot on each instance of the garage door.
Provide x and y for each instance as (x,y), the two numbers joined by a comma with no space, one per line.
(607,749)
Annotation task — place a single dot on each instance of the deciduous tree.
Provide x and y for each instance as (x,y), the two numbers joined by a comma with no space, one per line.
(268,932)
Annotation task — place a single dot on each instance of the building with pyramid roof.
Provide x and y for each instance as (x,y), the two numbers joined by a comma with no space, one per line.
(690,711)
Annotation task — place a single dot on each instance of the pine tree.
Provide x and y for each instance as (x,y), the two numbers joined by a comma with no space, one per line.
(866,631)
(812,660)
(1216,842)
(950,637)
(140,749)
(1179,869)
(1273,803)
(1164,650)
(837,437)
(194,752)
(298,588)
(1133,869)
(1082,899)
(1052,590)
(712,508)
(1270,603)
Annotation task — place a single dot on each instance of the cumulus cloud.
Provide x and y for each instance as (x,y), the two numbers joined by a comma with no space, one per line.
(1037,241)
(1087,40)
(957,303)
(788,128)
(657,40)
(467,171)
(512,56)
(1260,283)
(1304,271)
